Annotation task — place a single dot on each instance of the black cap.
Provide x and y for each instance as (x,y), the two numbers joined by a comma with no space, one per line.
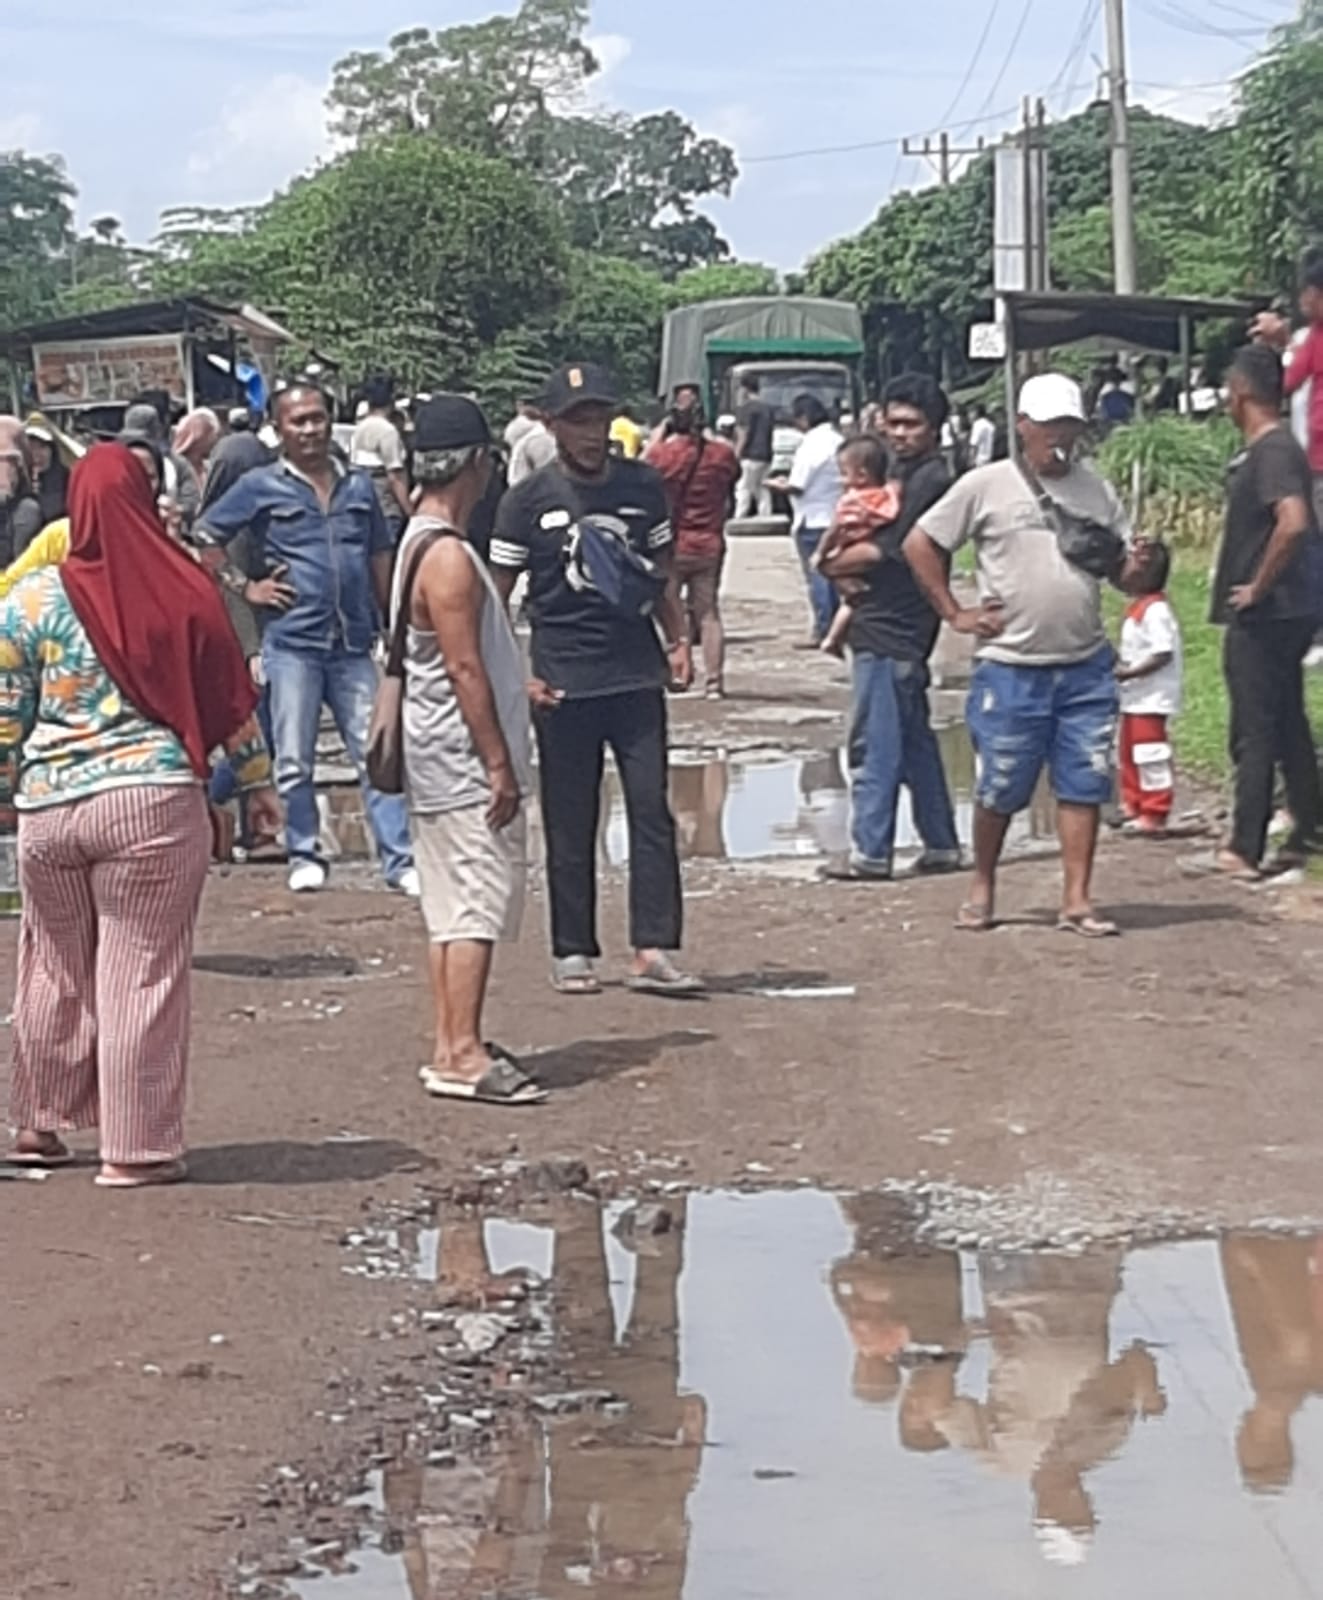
(450,422)
(579,384)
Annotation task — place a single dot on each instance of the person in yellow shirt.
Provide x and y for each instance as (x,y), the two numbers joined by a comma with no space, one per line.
(627,436)
(48,549)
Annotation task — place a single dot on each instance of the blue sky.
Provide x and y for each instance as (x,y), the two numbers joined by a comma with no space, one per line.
(157,105)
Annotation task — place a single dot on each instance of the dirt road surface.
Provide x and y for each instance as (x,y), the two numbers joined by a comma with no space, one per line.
(161,1354)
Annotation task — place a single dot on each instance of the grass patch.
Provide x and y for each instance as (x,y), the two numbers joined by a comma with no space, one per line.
(1200,732)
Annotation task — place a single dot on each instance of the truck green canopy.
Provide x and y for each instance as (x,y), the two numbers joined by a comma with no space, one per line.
(765,328)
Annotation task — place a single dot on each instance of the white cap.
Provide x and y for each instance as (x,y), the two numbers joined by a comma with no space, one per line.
(1052,397)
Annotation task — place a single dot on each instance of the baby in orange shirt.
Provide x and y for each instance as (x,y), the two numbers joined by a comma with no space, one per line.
(870,502)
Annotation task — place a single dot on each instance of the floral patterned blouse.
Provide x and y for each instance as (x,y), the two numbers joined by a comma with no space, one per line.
(65,730)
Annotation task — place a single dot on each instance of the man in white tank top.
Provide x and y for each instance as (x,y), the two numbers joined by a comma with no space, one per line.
(466,751)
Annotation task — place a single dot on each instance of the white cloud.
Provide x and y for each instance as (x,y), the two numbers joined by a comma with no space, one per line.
(20,131)
(612,50)
(739,125)
(265,135)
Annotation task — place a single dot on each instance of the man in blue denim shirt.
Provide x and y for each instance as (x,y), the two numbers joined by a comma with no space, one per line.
(321,546)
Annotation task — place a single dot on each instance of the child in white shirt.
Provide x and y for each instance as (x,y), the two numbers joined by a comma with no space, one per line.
(1150,674)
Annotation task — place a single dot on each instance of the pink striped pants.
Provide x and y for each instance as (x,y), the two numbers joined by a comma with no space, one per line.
(111,888)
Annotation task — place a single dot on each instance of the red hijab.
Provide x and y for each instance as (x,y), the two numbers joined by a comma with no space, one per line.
(155,618)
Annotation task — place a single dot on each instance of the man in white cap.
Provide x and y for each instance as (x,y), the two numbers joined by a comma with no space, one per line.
(1043,691)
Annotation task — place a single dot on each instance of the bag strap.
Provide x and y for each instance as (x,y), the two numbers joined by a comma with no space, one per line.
(400,634)
(682,499)
(1034,485)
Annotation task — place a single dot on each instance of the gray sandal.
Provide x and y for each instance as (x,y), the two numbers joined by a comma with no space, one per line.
(503,1084)
(662,976)
(574,975)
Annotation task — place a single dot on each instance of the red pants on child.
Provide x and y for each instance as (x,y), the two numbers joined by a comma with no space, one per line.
(1146,772)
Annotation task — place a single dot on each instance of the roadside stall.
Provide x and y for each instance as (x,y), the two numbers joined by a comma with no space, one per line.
(83,371)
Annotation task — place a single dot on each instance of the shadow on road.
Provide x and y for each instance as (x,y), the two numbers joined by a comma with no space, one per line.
(284,1162)
(591,1060)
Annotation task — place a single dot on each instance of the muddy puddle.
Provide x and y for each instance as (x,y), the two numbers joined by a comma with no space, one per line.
(768,1396)
(748,807)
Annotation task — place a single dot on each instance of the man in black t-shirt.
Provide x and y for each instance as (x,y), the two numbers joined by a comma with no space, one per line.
(892,635)
(600,677)
(755,427)
(1265,592)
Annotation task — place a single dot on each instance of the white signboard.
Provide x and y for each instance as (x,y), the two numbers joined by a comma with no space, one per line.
(987,341)
(108,372)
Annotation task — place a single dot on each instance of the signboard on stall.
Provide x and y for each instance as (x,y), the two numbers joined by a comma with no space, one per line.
(108,372)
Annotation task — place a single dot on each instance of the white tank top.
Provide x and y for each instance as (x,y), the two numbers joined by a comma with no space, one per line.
(442,768)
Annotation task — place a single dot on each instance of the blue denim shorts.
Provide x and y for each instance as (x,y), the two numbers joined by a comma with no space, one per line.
(1024,718)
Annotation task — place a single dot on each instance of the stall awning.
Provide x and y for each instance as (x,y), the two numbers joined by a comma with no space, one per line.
(145,318)
(1149,322)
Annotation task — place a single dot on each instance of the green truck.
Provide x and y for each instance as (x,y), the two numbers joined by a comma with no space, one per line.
(792,344)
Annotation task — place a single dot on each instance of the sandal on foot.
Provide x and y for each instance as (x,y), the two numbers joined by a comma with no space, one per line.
(974,919)
(852,872)
(1210,865)
(47,1159)
(1088,926)
(574,975)
(503,1084)
(661,976)
(157,1176)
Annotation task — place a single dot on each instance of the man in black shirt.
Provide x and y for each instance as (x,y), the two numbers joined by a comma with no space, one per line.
(756,425)
(892,635)
(600,676)
(1266,593)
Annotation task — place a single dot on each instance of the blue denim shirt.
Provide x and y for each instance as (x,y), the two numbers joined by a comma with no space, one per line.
(328,553)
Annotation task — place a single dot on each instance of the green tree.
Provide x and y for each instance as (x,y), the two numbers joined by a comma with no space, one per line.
(724,280)
(613,315)
(36,232)
(403,256)
(514,86)
(1277,196)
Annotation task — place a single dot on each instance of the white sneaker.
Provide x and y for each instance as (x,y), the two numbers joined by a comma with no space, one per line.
(409,883)
(307,877)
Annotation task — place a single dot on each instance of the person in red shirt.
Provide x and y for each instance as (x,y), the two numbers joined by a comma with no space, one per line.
(1304,359)
(700,474)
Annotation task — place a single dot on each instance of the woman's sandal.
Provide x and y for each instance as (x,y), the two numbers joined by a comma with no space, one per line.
(974,919)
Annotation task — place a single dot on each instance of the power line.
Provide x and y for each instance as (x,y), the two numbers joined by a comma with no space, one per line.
(960,92)
(890,143)
(1003,70)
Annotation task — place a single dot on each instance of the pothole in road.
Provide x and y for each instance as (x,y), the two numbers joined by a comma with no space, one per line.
(301,965)
(758,806)
(777,1394)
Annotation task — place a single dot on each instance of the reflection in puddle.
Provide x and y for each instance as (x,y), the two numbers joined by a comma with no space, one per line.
(749,808)
(811,1412)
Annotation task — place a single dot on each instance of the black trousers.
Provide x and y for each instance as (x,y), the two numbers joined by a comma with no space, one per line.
(1264,665)
(572,742)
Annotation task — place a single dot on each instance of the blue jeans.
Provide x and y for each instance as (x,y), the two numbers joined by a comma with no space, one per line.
(1022,718)
(822,596)
(299,681)
(224,785)
(892,743)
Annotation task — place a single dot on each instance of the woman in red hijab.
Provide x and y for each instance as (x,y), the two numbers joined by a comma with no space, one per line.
(120,674)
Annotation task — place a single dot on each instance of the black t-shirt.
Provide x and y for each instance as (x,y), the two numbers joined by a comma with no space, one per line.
(757,420)
(894,618)
(1273,469)
(235,455)
(581,645)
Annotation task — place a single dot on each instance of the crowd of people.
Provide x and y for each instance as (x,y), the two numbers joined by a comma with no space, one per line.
(198,598)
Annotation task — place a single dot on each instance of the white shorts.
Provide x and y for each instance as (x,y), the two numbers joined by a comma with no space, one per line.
(473,880)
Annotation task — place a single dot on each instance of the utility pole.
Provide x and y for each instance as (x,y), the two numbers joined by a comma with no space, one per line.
(1123,194)
(944,155)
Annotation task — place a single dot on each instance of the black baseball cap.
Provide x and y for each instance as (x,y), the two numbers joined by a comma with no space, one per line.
(581,383)
(450,422)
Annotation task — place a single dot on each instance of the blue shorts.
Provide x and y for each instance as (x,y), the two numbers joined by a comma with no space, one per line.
(1024,718)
